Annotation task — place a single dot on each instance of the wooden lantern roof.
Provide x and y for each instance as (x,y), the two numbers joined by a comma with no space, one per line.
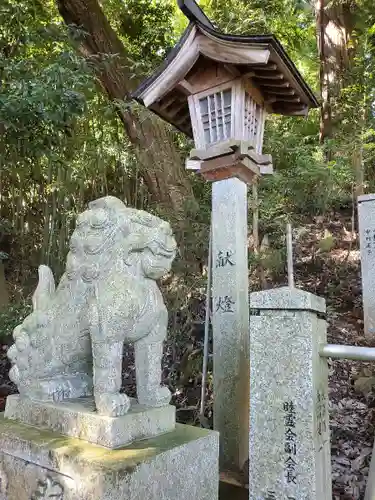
(259,60)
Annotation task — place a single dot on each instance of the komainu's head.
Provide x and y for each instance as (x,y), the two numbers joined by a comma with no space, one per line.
(109,235)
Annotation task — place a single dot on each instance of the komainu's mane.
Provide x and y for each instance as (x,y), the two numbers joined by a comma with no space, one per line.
(106,224)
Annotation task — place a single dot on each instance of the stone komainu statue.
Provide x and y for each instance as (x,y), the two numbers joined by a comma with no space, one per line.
(71,344)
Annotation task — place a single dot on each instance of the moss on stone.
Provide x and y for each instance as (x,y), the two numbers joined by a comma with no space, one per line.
(124,459)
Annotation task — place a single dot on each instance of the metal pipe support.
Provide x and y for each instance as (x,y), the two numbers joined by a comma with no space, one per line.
(347,352)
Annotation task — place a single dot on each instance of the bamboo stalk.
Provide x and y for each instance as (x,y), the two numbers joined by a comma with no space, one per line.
(206,328)
(289,249)
(63,206)
(255,209)
(47,217)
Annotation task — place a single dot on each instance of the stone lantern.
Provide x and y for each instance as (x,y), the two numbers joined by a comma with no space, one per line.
(217,89)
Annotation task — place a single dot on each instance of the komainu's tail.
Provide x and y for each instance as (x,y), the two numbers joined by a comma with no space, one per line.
(45,289)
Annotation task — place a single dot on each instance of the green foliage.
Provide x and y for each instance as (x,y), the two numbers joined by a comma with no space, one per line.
(12,316)
(146,27)
(303,183)
(44,82)
(60,140)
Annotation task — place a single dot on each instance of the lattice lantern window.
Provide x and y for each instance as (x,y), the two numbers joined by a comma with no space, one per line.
(227,112)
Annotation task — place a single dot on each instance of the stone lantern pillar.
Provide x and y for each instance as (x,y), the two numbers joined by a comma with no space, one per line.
(218,89)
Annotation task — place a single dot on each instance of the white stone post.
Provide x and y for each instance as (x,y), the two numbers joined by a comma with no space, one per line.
(230,320)
(366,220)
(289,424)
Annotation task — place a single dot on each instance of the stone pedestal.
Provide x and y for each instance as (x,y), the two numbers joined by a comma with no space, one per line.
(289,425)
(366,221)
(39,464)
(230,320)
(78,418)
(370,486)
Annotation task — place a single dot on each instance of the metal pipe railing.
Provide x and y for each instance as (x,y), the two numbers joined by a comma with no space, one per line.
(347,352)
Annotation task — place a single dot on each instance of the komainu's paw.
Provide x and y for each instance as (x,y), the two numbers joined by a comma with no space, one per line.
(14,374)
(160,396)
(112,405)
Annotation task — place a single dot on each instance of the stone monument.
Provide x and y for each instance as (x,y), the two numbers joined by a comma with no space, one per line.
(71,433)
(289,426)
(366,221)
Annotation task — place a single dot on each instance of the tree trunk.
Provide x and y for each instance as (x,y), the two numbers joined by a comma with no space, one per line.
(333,33)
(334,21)
(359,174)
(159,161)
